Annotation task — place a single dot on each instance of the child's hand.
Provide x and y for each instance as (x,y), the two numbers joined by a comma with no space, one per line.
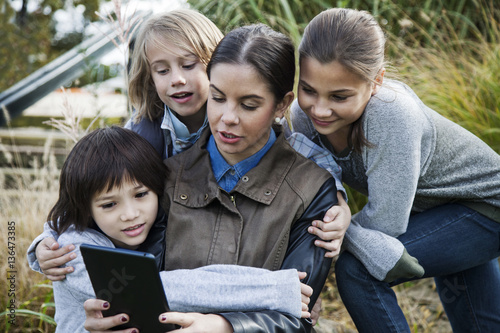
(306,292)
(333,227)
(51,257)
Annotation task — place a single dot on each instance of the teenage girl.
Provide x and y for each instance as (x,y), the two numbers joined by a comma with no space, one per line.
(433,188)
(110,186)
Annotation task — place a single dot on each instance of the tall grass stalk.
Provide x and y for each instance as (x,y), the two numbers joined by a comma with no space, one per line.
(460,78)
(25,207)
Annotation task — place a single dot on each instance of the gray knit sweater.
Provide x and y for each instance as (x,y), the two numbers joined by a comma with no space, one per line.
(215,288)
(419,160)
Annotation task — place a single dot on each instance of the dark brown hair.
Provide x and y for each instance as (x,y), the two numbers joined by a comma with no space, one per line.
(101,160)
(355,40)
(269,52)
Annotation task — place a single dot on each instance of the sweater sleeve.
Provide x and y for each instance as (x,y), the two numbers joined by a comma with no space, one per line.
(371,236)
(76,288)
(222,288)
(31,253)
(399,133)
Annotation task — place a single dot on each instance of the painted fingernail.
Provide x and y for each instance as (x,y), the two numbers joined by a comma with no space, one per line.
(123,319)
(105,305)
(135,331)
(163,318)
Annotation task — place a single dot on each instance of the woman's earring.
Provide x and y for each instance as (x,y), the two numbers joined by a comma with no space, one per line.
(277,120)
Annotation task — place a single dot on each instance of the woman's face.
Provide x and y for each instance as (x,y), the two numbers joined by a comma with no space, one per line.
(241,110)
(332,96)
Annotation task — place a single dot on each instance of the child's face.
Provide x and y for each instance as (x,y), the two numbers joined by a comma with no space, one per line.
(240,112)
(332,96)
(180,79)
(125,214)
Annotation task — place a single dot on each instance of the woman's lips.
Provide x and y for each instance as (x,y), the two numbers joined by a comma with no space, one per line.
(227,137)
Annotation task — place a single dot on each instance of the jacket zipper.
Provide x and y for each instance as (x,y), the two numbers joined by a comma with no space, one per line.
(233,200)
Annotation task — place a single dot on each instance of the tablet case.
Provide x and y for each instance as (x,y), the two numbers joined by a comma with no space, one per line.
(130,282)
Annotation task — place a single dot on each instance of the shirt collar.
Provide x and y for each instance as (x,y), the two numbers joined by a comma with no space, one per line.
(220,167)
(180,137)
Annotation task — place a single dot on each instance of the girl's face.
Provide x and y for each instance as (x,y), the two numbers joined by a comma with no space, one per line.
(241,110)
(126,213)
(332,96)
(181,81)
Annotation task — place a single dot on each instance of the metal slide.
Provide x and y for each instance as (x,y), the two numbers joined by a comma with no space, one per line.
(61,71)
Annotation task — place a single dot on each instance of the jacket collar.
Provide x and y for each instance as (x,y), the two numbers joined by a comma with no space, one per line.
(196,185)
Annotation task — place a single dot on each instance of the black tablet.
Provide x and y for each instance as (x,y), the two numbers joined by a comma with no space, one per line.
(130,282)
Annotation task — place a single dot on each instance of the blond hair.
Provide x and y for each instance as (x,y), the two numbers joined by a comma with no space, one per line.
(185,29)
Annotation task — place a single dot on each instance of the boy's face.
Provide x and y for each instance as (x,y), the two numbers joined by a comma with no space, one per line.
(125,214)
(180,80)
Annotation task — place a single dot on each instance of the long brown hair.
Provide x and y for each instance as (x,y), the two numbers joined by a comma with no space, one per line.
(355,40)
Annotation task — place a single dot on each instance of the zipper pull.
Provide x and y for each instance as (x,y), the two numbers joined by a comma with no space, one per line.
(233,200)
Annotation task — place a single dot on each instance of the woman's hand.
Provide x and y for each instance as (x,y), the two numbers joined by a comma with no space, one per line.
(197,322)
(96,323)
(333,227)
(316,310)
(51,257)
(306,292)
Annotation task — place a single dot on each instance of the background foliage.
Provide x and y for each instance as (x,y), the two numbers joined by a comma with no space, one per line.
(448,51)
(28,39)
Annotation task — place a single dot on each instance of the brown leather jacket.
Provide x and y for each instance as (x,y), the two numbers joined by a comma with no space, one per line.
(253,224)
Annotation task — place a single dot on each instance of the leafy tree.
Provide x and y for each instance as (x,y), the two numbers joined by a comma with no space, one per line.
(28,42)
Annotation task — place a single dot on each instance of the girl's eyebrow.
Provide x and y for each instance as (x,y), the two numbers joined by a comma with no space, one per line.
(339,91)
(242,97)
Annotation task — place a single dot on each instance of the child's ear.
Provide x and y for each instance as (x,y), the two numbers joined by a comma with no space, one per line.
(284,104)
(378,81)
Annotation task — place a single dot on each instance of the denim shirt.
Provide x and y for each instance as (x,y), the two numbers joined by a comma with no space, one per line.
(162,134)
(227,176)
(180,137)
(179,133)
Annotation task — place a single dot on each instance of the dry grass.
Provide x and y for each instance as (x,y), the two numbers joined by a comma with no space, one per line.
(22,214)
